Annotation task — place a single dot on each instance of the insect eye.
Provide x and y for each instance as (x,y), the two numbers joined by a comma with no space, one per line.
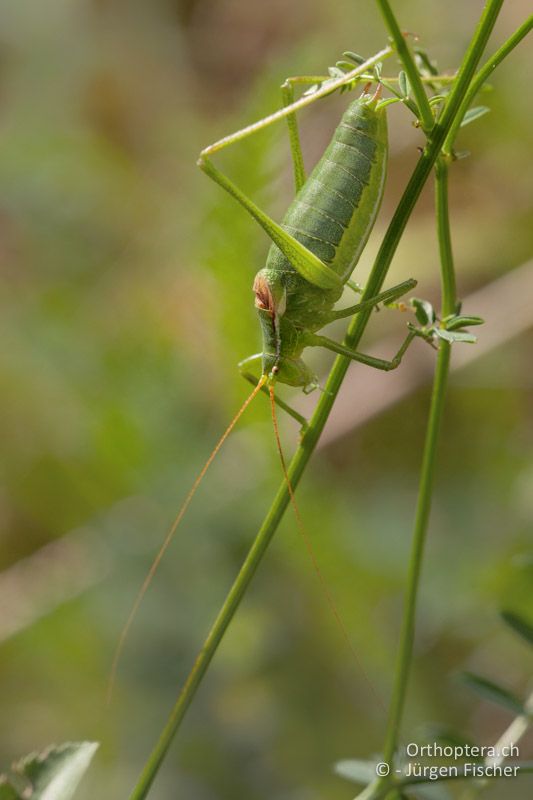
(275,370)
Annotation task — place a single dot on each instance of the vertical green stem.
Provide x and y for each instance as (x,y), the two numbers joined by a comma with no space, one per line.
(447,270)
(405,652)
(303,454)
(417,87)
(322,411)
(427,476)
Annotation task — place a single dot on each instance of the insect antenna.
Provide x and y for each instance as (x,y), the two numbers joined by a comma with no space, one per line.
(168,538)
(312,556)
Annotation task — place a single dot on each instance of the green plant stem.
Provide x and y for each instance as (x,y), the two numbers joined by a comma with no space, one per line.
(408,62)
(437,405)
(405,653)
(303,453)
(295,471)
(442,213)
(484,74)
(427,476)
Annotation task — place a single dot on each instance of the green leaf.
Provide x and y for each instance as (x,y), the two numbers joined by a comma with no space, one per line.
(519,625)
(455,336)
(356,770)
(424,63)
(388,102)
(403,82)
(424,311)
(53,774)
(461,322)
(491,691)
(355,57)
(474,113)
(437,98)
(345,65)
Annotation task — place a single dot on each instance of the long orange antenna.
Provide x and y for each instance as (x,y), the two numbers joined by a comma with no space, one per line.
(309,547)
(164,547)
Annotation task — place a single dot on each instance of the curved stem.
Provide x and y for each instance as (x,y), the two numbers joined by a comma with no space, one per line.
(299,462)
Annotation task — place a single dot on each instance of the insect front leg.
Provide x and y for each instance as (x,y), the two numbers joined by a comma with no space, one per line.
(314,340)
(255,361)
(287,93)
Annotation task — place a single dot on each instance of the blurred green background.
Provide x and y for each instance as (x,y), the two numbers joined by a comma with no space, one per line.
(125,305)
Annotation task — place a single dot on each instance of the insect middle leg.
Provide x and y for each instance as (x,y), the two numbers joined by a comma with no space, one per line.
(315,340)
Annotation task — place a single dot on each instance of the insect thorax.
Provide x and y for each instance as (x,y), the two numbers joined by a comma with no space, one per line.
(288,308)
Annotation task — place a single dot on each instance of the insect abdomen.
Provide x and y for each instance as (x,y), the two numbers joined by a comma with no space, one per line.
(333,213)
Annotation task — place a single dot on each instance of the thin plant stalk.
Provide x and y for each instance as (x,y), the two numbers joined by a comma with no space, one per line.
(302,455)
(408,62)
(427,475)
(449,301)
(484,74)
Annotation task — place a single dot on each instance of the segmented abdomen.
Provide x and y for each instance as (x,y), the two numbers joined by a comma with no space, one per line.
(333,213)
